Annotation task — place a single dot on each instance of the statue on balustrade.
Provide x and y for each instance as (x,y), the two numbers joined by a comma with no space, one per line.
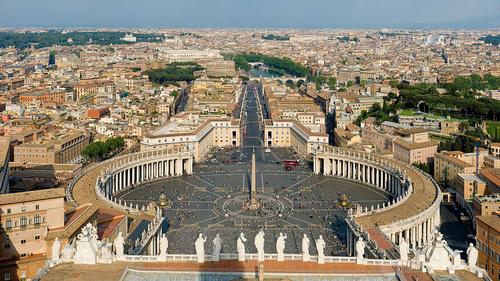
(199,245)
(240,246)
(404,249)
(56,248)
(259,244)
(217,247)
(280,247)
(305,248)
(118,244)
(163,245)
(320,247)
(360,248)
(472,255)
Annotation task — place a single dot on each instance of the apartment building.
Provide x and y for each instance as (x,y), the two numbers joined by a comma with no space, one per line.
(414,152)
(4,161)
(488,237)
(25,219)
(292,133)
(199,132)
(95,90)
(61,148)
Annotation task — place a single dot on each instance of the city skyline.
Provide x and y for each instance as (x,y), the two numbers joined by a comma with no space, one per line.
(253,14)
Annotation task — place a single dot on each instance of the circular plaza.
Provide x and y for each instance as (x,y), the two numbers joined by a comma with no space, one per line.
(294,201)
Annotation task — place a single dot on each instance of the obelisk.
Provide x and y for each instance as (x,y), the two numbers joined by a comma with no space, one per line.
(253,183)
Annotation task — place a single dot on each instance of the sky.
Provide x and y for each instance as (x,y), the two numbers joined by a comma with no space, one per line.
(251,13)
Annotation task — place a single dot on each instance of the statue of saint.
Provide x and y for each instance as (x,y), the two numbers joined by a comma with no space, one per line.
(240,246)
(280,247)
(472,255)
(163,245)
(217,247)
(199,245)
(360,248)
(259,244)
(118,244)
(305,248)
(320,247)
(56,248)
(404,249)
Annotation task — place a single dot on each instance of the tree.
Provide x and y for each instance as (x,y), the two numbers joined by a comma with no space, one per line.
(350,83)
(332,83)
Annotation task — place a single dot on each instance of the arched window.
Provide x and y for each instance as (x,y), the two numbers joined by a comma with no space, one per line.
(37,220)
(8,224)
(24,222)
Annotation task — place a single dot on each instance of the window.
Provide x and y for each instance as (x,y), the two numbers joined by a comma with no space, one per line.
(37,220)
(23,255)
(7,246)
(8,212)
(24,222)
(37,207)
(23,241)
(37,237)
(6,276)
(8,224)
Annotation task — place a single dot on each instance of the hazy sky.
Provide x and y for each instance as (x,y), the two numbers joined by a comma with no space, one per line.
(247,13)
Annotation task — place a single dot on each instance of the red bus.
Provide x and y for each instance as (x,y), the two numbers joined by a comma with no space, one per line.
(291,163)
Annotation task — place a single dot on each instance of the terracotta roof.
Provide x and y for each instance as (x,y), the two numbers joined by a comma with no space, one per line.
(492,221)
(415,145)
(19,197)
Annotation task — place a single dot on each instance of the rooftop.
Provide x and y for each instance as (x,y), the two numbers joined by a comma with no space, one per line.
(21,197)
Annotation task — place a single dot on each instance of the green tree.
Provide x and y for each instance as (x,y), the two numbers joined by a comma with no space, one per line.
(332,83)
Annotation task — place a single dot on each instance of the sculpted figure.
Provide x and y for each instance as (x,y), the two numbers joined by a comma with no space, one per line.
(56,248)
(320,247)
(305,248)
(472,255)
(360,248)
(118,244)
(199,245)
(240,247)
(217,247)
(259,244)
(280,247)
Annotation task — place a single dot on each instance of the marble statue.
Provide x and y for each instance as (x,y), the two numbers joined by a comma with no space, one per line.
(118,244)
(199,245)
(404,248)
(305,248)
(87,246)
(259,244)
(56,248)
(360,248)
(320,247)
(217,247)
(163,245)
(67,253)
(240,246)
(472,255)
(280,247)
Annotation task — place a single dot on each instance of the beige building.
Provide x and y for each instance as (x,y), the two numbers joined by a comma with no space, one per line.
(468,185)
(486,205)
(415,152)
(95,90)
(448,164)
(495,149)
(4,161)
(487,236)
(291,133)
(201,133)
(25,219)
(59,149)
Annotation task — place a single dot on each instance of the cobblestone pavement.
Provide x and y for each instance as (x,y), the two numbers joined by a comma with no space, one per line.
(294,202)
